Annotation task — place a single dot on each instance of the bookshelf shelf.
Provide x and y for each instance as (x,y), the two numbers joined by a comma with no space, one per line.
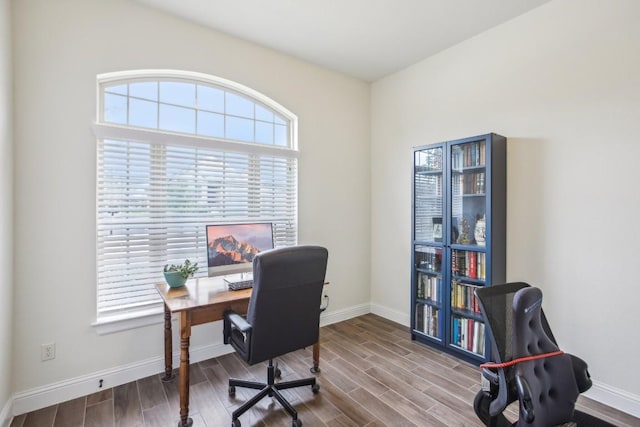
(466,313)
(430,302)
(458,240)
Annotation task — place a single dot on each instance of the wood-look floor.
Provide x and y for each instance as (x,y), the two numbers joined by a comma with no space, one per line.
(372,375)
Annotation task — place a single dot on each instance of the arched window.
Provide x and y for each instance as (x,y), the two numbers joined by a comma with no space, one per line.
(176,151)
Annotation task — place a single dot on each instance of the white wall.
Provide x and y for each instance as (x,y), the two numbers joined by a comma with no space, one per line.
(6,206)
(562,83)
(60,47)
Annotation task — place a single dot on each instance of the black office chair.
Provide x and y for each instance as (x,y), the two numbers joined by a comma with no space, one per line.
(527,364)
(283,316)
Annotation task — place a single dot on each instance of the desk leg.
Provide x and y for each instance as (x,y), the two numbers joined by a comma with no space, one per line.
(168,349)
(316,358)
(185,336)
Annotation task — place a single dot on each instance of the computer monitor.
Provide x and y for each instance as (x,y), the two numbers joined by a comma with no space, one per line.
(231,247)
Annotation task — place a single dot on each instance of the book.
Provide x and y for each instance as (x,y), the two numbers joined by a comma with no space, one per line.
(455,337)
(476,334)
(480,267)
(473,265)
(425,316)
(470,334)
(454,262)
(420,286)
(434,323)
(463,332)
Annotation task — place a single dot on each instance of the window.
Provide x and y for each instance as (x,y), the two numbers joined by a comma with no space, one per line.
(177,151)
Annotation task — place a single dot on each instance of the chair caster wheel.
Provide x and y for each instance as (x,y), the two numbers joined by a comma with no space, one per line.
(315,388)
(296,423)
(235,423)
(232,392)
(481,406)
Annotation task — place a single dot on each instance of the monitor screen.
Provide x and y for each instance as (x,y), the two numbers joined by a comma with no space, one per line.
(231,247)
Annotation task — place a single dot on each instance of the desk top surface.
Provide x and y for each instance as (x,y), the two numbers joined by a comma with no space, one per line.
(199,292)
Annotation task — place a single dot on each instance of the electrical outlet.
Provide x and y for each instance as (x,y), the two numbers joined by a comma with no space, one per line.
(48,351)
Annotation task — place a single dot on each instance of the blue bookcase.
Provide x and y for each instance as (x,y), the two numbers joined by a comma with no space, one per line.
(458,240)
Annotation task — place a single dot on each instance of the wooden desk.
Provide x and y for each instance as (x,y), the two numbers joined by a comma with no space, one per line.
(199,301)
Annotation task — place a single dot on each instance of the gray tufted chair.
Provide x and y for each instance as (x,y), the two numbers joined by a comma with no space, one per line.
(548,387)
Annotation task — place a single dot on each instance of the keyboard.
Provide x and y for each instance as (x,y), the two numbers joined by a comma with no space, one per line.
(239,285)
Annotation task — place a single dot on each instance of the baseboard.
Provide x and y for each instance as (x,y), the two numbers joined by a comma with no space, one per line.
(63,391)
(391,314)
(614,397)
(5,414)
(345,314)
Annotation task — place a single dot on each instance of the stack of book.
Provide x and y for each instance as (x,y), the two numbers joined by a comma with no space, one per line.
(427,319)
(468,334)
(428,287)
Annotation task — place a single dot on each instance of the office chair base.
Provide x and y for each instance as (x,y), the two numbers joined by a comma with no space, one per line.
(483,400)
(270,389)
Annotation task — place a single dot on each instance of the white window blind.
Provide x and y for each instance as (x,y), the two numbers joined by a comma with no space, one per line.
(157,190)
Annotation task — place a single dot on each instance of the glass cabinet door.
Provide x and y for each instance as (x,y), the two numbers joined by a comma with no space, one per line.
(428,196)
(428,289)
(468,228)
(468,197)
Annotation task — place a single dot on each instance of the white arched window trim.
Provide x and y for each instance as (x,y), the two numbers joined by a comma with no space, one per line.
(194,77)
(146,309)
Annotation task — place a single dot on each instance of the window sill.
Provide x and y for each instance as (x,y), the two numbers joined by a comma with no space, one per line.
(124,322)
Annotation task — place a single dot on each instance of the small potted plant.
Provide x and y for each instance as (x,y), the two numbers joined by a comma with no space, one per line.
(176,275)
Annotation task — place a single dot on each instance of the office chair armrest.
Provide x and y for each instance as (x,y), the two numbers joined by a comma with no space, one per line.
(581,372)
(503,394)
(490,375)
(232,320)
(239,322)
(526,403)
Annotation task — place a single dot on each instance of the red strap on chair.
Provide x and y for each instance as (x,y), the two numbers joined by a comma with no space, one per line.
(520,360)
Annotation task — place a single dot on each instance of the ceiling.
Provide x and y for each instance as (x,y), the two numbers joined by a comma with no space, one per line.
(366,39)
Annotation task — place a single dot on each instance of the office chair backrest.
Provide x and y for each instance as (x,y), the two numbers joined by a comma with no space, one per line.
(550,382)
(284,309)
(496,303)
